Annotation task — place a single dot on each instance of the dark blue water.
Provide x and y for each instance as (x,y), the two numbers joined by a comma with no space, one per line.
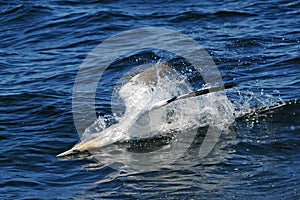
(255,44)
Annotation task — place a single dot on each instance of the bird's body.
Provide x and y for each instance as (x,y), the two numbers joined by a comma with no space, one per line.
(146,96)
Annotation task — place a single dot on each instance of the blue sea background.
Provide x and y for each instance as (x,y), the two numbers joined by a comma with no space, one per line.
(255,44)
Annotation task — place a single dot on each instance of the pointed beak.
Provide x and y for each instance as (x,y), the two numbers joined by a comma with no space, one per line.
(67,153)
(77,148)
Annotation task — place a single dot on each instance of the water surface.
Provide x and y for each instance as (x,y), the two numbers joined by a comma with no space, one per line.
(42,44)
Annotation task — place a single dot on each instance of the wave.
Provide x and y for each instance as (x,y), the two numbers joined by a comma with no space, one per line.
(219,15)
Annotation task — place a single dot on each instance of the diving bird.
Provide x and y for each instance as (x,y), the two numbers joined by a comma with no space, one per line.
(140,100)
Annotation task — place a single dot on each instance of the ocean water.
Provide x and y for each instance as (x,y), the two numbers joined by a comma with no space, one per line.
(254,45)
